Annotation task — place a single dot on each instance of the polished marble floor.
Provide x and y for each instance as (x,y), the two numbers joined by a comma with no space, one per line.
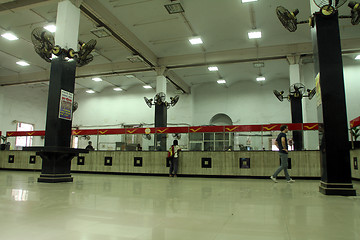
(114,207)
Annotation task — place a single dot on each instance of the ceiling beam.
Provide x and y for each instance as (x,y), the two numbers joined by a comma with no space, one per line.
(184,61)
(177,81)
(102,16)
(18,5)
(248,55)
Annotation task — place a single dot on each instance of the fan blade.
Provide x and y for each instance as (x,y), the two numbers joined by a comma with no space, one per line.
(312,93)
(86,48)
(174,100)
(278,95)
(81,62)
(287,19)
(148,102)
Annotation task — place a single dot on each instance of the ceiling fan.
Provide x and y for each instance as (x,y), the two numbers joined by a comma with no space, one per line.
(177,136)
(83,56)
(44,44)
(45,47)
(296,90)
(160,98)
(75,106)
(147,136)
(327,8)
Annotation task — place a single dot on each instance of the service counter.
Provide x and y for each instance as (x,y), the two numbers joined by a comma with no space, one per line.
(234,163)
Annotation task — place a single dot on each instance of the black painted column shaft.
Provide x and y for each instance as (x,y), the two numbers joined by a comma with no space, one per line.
(332,117)
(57,154)
(160,121)
(62,77)
(297,117)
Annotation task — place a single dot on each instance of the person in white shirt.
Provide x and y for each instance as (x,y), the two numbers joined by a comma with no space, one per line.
(174,162)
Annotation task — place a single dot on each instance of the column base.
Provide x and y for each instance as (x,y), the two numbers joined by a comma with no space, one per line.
(55,178)
(341,189)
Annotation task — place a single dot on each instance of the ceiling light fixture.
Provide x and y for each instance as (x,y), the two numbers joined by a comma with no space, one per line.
(221,81)
(117,89)
(254,34)
(100,32)
(260,79)
(174,7)
(195,40)
(129,76)
(9,36)
(213,68)
(97,79)
(258,64)
(90,91)
(246,1)
(357,57)
(135,58)
(147,86)
(22,63)
(51,28)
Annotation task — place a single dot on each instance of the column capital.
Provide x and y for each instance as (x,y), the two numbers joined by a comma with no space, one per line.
(160,71)
(293,59)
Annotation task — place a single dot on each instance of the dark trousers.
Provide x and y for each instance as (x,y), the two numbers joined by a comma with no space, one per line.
(174,166)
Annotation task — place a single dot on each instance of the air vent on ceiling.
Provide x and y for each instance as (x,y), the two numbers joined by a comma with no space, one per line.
(100,32)
(174,7)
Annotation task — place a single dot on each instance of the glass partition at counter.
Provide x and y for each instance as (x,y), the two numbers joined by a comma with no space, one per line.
(200,138)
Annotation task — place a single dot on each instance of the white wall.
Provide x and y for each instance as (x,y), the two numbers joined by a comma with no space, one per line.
(352,87)
(114,109)
(244,102)
(22,104)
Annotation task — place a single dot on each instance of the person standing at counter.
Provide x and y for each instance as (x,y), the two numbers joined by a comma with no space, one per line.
(174,161)
(281,144)
(90,147)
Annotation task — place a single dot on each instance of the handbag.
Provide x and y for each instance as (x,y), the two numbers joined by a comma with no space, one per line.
(170,154)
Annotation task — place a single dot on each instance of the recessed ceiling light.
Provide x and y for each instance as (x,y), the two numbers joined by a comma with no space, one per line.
(221,81)
(245,1)
(357,57)
(147,86)
(129,76)
(117,89)
(195,40)
(22,63)
(97,79)
(90,91)
(213,68)
(260,79)
(254,34)
(51,28)
(9,36)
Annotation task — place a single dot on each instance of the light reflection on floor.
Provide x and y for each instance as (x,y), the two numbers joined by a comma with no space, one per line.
(116,207)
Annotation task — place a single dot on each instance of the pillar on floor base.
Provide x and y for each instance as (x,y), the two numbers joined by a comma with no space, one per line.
(56,166)
(331,106)
(341,189)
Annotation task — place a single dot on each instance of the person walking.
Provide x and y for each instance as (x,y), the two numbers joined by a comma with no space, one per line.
(174,161)
(281,144)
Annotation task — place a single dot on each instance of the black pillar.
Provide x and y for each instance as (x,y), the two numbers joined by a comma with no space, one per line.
(297,117)
(160,121)
(57,154)
(332,117)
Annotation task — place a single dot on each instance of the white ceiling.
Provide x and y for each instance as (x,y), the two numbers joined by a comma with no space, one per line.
(162,39)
